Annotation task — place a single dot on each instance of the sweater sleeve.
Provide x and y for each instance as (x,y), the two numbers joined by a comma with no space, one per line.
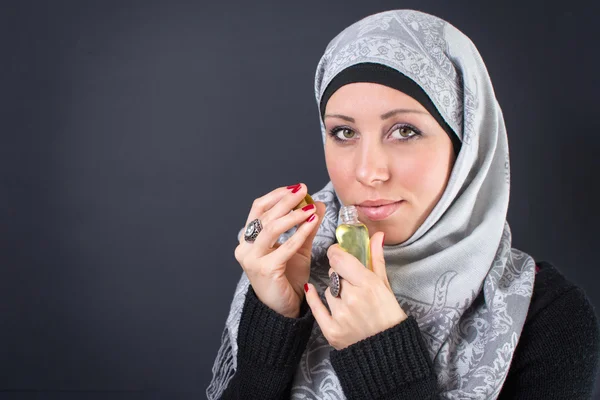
(393,364)
(269,350)
(557,355)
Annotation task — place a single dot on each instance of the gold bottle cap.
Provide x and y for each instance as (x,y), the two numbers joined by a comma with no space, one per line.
(306,201)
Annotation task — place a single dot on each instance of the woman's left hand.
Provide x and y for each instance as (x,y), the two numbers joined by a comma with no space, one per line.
(366,304)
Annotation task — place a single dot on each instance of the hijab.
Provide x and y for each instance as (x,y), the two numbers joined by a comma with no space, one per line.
(457,275)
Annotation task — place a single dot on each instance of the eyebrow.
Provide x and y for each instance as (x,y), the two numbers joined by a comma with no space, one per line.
(387,115)
(401,111)
(340,116)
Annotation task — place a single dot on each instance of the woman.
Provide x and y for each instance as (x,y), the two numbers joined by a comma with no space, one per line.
(415,138)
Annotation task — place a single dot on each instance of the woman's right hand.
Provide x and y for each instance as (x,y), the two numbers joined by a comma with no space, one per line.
(278,273)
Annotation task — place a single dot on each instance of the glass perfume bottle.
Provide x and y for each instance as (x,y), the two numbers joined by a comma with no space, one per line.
(353,236)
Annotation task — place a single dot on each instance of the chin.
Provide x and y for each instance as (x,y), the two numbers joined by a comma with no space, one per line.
(391,228)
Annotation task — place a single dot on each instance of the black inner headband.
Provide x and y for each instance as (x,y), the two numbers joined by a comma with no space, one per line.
(384,75)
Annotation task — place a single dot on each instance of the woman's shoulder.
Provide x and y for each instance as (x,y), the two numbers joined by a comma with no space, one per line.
(553,293)
(559,303)
(557,353)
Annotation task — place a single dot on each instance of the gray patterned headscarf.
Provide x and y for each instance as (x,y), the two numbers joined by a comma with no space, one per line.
(458,275)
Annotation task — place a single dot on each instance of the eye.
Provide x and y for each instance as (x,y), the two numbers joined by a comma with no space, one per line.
(342,134)
(405,132)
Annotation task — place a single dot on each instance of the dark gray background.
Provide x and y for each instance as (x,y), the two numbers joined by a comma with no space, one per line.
(136,135)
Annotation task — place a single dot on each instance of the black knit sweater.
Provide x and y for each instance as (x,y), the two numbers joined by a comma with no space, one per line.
(556,357)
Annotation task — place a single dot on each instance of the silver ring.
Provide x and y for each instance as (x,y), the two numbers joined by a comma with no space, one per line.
(252,230)
(334,284)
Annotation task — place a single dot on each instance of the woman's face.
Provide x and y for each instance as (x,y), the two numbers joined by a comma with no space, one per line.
(383,146)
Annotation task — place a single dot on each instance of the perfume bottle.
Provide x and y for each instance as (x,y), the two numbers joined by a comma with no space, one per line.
(353,236)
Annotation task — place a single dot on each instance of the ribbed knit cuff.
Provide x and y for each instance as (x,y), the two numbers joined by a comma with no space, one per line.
(268,339)
(390,364)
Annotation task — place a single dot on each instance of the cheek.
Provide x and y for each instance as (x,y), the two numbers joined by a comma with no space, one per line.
(425,174)
(338,166)
(341,173)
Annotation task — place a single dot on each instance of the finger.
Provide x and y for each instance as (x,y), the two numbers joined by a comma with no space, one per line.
(306,248)
(294,242)
(347,283)
(263,204)
(377,258)
(320,312)
(348,266)
(271,232)
(334,303)
(283,207)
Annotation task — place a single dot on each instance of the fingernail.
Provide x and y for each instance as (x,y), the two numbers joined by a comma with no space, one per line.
(294,190)
(308,207)
(383,240)
(311,218)
(293,186)
(306,287)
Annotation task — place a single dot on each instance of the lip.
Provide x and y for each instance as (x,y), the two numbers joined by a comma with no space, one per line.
(376,203)
(378,213)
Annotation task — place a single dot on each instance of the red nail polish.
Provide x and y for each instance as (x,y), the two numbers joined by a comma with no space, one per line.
(308,207)
(383,240)
(311,218)
(306,287)
(293,186)
(294,190)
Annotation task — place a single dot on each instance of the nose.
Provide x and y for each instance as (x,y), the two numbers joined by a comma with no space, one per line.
(371,163)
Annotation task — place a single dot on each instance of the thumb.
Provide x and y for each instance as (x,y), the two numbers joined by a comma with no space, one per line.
(320,312)
(377,259)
